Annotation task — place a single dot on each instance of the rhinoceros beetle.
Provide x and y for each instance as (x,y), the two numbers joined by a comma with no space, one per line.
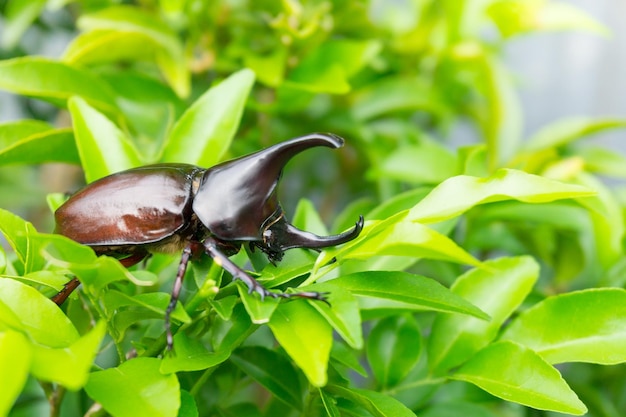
(173,207)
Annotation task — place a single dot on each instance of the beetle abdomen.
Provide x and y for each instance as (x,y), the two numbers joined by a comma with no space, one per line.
(138,206)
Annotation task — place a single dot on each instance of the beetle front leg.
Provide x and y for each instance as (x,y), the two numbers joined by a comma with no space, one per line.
(210,245)
(178,284)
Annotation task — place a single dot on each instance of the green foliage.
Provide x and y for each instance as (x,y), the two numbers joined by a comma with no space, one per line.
(478,268)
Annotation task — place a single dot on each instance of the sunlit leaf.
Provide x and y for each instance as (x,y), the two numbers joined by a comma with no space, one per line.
(33,142)
(378,404)
(103,148)
(136,388)
(306,336)
(456,195)
(55,82)
(569,130)
(598,336)
(15,361)
(204,132)
(40,318)
(498,288)
(408,288)
(515,373)
(191,355)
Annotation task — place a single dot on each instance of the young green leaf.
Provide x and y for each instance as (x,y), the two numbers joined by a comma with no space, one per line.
(54,82)
(342,312)
(272,370)
(306,336)
(191,355)
(204,132)
(18,233)
(457,195)
(68,366)
(394,346)
(103,148)
(422,292)
(54,145)
(42,320)
(136,388)
(260,311)
(582,326)
(515,373)
(498,289)
(15,361)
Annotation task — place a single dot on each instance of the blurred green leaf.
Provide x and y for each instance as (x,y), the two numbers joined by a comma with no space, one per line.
(120,27)
(306,336)
(136,388)
(420,291)
(443,202)
(55,82)
(394,346)
(603,161)
(204,132)
(568,130)
(515,373)
(598,336)
(272,370)
(514,17)
(15,361)
(498,288)
(33,142)
(18,16)
(103,148)
(328,68)
(426,163)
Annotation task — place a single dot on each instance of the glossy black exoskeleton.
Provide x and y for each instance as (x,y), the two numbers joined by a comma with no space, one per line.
(173,207)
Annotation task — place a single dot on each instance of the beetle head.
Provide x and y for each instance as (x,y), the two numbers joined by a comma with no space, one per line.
(237,199)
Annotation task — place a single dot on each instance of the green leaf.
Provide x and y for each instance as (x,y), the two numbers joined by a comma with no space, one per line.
(40,318)
(204,132)
(273,371)
(394,346)
(306,336)
(34,142)
(378,404)
(18,233)
(136,388)
(68,366)
(568,130)
(54,82)
(103,148)
(514,17)
(329,404)
(191,355)
(498,289)
(391,96)
(327,68)
(116,22)
(426,163)
(260,311)
(425,293)
(342,313)
(457,195)
(598,336)
(15,358)
(19,15)
(398,238)
(515,373)
(603,161)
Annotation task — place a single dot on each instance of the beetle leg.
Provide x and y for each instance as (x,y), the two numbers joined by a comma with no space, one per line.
(68,288)
(210,245)
(178,284)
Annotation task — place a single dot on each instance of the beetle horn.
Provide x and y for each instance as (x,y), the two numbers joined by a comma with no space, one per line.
(285,236)
(237,197)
